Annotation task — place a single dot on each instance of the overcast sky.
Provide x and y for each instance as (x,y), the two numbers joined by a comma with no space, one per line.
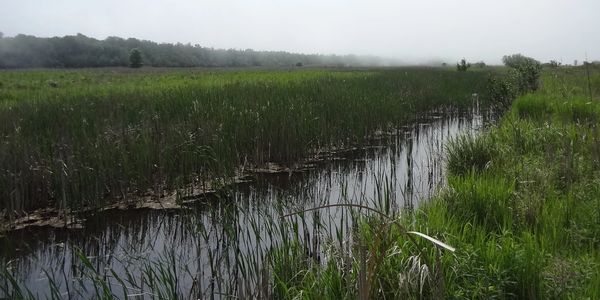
(414,31)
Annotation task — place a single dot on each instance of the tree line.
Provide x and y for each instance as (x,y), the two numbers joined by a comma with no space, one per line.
(80,51)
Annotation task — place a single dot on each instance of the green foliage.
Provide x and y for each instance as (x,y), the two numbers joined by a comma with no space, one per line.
(469,153)
(527,221)
(482,200)
(578,109)
(526,70)
(502,92)
(525,226)
(521,78)
(135,58)
(480,64)
(554,64)
(533,106)
(463,66)
(98,135)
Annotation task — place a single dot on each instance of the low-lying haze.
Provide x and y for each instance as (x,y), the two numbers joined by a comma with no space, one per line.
(413,31)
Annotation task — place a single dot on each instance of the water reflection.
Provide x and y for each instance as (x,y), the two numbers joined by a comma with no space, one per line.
(216,249)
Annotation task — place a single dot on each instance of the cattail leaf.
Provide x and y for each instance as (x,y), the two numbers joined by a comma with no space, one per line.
(434,240)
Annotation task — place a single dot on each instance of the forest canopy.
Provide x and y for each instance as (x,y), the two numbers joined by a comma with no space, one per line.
(80,51)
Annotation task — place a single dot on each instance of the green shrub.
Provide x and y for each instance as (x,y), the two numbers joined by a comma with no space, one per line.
(526,69)
(502,92)
(463,66)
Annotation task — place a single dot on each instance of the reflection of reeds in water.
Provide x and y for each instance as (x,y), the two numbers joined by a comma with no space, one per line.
(239,246)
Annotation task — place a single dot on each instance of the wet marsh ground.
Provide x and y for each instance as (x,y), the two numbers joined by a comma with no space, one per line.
(512,212)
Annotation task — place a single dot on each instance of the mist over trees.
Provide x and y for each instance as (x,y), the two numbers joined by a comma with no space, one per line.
(79,51)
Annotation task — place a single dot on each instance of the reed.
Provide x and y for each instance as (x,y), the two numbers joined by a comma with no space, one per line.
(521,210)
(91,138)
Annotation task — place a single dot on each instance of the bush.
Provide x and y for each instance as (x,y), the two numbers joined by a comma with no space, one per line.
(463,66)
(554,64)
(523,77)
(480,64)
(526,69)
(502,91)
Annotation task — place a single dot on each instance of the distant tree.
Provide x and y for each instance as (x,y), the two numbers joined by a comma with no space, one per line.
(480,64)
(517,60)
(135,58)
(80,51)
(1,34)
(299,64)
(463,66)
(554,64)
(444,64)
(575,63)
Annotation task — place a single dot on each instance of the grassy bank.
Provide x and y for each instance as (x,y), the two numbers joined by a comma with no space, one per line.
(522,208)
(74,139)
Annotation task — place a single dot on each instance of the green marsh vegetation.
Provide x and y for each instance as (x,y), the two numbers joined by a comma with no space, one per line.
(521,207)
(82,139)
(234,244)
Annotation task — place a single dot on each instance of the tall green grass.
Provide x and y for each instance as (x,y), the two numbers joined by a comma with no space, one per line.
(82,139)
(521,208)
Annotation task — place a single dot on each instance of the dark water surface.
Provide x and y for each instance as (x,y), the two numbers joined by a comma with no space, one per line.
(216,248)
